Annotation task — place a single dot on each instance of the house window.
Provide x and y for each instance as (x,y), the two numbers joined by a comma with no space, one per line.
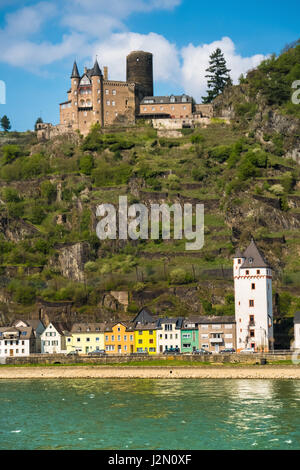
(119,338)
(252,333)
(131,337)
(251,303)
(239,261)
(140,341)
(258,271)
(247,272)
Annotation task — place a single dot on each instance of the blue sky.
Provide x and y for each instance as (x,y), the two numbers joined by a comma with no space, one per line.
(40,40)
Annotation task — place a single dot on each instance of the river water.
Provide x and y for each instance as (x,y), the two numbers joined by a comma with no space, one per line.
(150,414)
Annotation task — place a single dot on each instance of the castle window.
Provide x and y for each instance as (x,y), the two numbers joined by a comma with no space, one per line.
(107,92)
(153,109)
(239,261)
(172,108)
(145,109)
(251,303)
(184,107)
(98,91)
(252,333)
(253,286)
(108,103)
(113,103)
(98,100)
(114,92)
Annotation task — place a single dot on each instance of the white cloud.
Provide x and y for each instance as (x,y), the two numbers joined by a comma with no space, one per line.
(114,50)
(196,60)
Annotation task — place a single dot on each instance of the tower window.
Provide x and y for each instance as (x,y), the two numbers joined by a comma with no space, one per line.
(251,303)
(258,271)
(253,286)
(239,261)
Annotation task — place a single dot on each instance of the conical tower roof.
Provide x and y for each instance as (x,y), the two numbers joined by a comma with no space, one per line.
(254,258)
(75,73)
(96,71)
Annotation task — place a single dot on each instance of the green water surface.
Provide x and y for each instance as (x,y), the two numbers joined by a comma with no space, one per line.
(150,414)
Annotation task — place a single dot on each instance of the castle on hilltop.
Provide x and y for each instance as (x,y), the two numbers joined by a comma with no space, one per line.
(94,98)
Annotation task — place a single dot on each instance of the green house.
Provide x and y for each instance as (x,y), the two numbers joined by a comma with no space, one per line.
(189,337)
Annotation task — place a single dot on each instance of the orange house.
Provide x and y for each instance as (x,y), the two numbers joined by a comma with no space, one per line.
(119,339)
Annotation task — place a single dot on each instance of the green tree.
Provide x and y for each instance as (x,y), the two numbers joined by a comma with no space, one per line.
(218,76)
(5,123)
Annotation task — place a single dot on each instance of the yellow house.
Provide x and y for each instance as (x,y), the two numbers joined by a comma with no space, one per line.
(145,338)
(85,338)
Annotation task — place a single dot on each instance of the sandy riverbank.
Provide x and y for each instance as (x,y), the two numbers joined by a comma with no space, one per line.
(77,372)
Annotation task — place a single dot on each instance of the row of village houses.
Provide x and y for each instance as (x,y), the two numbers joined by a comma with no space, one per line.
(144,334)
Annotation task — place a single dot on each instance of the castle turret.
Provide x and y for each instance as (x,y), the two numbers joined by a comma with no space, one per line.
(253,300)
(97,93)
(140,71)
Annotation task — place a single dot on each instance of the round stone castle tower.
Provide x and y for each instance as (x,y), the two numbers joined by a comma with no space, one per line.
(140,71)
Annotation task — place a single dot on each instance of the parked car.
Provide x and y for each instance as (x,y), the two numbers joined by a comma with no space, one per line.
(72,353)
(98,352)
(172,351)
(247,351)
(227,350)
(201,351)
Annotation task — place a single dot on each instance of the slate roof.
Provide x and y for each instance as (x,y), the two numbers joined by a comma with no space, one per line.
(60,327)
(96,71)
(75,72)
(88,328)
(177,321)
(253,257)
(144,316)
(211,319)
(166,99)
(24,333)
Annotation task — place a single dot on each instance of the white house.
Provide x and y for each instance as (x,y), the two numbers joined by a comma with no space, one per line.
(253,300)
(168,333)
(53,339)
(38,328)
(297,331)
(17,342)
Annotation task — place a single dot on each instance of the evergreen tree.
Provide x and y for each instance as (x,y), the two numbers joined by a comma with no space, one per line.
(5,123)
(38,121)
(218,76)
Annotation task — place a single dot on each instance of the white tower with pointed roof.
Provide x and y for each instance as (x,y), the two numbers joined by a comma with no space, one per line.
(253,300)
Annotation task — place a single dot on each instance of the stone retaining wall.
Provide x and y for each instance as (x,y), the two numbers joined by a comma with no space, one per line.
(113,359)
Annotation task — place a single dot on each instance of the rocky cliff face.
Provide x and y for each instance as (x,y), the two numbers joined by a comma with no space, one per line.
(70,260)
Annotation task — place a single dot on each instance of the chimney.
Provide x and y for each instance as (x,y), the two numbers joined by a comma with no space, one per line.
(105,70)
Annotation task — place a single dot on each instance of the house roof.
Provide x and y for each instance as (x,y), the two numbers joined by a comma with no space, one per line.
(60,327)
(24,332)
(167,99)
(178,321)
(211,319)
(33,323)
(297,317)
(88,328)
(144,316)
